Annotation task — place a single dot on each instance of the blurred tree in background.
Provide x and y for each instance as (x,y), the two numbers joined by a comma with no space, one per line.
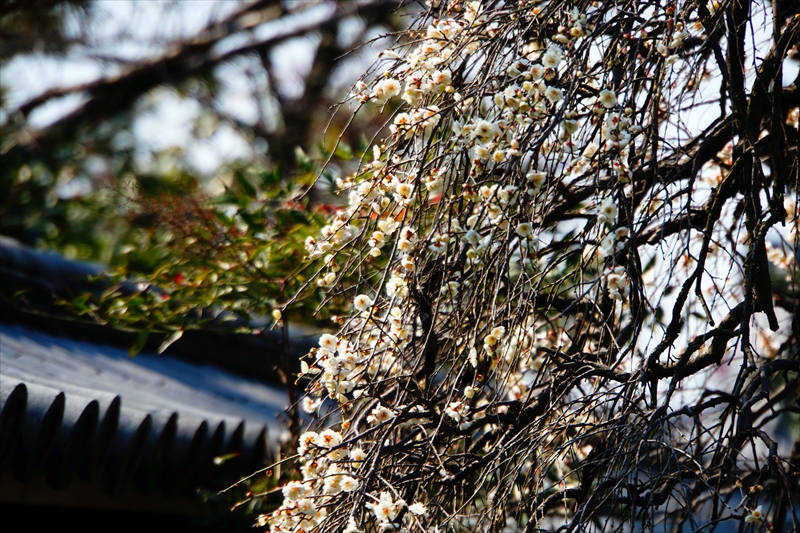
(161,138)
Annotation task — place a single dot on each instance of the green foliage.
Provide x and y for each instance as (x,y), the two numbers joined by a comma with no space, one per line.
(181,259)
(236,255)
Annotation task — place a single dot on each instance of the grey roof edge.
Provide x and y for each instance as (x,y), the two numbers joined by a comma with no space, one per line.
(46,435)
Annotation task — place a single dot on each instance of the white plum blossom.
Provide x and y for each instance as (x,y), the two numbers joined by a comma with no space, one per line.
(397,287)
(328,439)
(328,341)
(607,98)
(327,280)
(294,490)
(382,414)
(440,79)
(755,516)
(472,237)
(408,263)
(570,126)
(617,283)
(404,190)
(457,411)
(606,211)
(405,245)
(536,71)
(348,484)
(524,229)
(485,130)
(553,94)
(386,509)
(357,454)
(418,509)
(552,58)
(362,302)
(438,245)
(307,440)
(385,90)
(307,507)
(388,226)
(536,179)
(351,526)
(607,245)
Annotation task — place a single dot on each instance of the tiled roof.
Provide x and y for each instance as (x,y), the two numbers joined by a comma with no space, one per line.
(72,409)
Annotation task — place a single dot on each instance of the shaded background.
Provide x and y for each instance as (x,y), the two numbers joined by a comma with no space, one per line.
(105,101)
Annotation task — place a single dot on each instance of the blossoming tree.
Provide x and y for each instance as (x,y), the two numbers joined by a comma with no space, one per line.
(576,289)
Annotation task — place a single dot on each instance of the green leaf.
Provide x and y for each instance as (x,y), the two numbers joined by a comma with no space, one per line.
(363,144)
(286,218)
(270,178)
(245,186)
(303,161)
(343,151)
(224,218)
(172,337)
(220,459)
(141,340)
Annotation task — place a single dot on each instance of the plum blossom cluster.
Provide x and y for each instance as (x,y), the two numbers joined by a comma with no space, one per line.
(328,469)
(467,222)
(492,235)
